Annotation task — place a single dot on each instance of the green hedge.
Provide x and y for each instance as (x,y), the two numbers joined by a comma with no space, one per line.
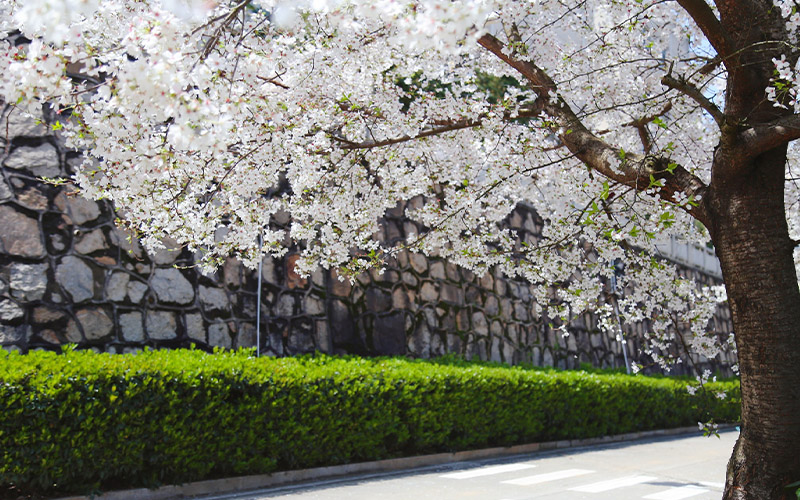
(80,421)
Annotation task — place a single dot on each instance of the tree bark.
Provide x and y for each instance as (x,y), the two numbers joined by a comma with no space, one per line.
(749,231)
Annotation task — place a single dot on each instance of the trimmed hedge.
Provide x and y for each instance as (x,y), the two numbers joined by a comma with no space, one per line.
(81,421)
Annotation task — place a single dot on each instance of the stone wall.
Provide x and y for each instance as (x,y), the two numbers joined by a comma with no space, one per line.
(69,275)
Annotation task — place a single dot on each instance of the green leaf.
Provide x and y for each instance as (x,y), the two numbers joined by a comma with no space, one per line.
(604,193)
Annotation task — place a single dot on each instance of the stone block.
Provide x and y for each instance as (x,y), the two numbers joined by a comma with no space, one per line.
(95,324)
(286,306)
(418,262)
(495,352)
(28,282)
(167,255)
(492,306)
(520,312)
(5,190)
(389,337)
(44,315)
(402,259)
(454,343)
(117,286)
(340,285)
(453,273)
(301,336)
(342,326)
(10,311)
(171,287)
(500,287)
(318,277)
(409,279)
(76,278)
(378,300)
(136,291)
(428,292)
(246,336)
(79,210)
(547,358)
(313,305)
(479,324)
(49,336)
(41,161)
(161,325)
(131,326)
(268,273)
(32,198)
(322,336)
(214,299)
(195,327)
(12,334)
(219,335)
(452,294)
(293,278)
(399,298)
(506,309)
(437,346)
(91,242)
(21,124)
(232,273)
(508,352)
(127,242)
(437,270)
(462,320)
(394,233)
(19,234)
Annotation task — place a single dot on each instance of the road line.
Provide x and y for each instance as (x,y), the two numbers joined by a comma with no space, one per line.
(613,484)
(708,484)
(550,476)
(488,471)
(678,493)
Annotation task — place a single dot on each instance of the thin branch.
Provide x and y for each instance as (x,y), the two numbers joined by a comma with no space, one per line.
(273,80)
(709,24)
(641,126)
(441,128)
(226,19)
(696,95)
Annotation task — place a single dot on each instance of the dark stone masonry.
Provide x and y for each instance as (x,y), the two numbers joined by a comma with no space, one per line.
(69,275)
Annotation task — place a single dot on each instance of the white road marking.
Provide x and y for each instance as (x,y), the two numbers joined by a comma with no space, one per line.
(677,493)
(488,471)
(613,484)
(550,476)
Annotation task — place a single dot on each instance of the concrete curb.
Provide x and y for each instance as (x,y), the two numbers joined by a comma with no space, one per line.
(261,481)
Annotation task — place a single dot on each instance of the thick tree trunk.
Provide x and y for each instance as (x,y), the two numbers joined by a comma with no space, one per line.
(752,241)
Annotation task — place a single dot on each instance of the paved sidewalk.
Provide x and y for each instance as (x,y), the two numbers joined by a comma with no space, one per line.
(661,468)
(234,487)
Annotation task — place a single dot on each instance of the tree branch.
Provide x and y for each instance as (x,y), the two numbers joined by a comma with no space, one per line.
(761,138)
(632,170)
(709,25)
(440,128)
(694,93)
(641,126)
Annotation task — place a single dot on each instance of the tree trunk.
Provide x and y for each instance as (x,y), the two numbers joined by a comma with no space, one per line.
(749,231)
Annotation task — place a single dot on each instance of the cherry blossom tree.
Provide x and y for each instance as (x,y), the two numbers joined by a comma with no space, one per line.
(623,122)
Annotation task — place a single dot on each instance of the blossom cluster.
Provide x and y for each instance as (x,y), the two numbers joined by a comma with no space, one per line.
(206,121)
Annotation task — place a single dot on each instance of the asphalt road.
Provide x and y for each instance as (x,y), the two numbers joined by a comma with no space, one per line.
(672,468)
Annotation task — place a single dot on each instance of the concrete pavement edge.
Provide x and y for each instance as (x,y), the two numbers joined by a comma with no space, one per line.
(244,483)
